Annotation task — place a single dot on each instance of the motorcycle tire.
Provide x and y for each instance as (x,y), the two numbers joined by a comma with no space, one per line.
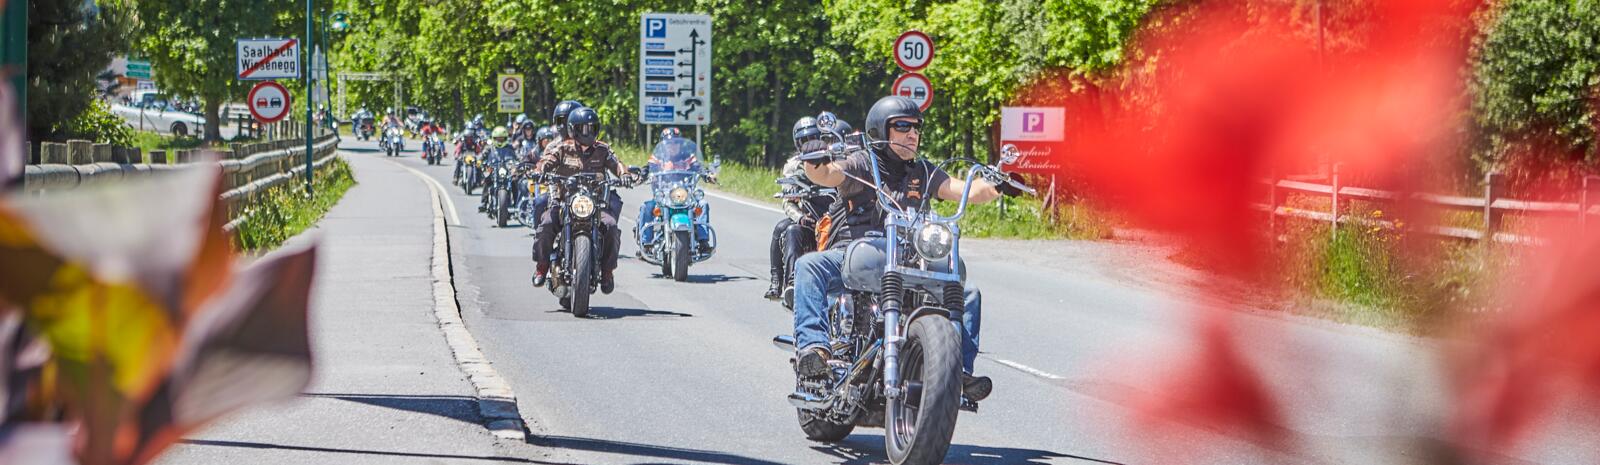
(472,182)
(582,271)
(680,256)
(502,213)
(818,429)
(929,357)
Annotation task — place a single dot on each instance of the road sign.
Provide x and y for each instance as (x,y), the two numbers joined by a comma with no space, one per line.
(138,69)
(1037,132)
(913,51)
(916,87)
(268,101)
(268,58)
(675,69)
(510,91)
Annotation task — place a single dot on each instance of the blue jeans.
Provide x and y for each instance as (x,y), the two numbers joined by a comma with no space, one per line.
(819,275)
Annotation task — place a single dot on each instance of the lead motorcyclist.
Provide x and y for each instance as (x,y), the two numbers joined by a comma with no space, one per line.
(582,153)
(789,238)
(647,208)
(907,178)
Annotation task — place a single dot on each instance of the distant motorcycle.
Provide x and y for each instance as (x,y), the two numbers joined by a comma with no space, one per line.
(433,149)
(675,230)
(392,142)
(575,259)
(894,327)
(501,190)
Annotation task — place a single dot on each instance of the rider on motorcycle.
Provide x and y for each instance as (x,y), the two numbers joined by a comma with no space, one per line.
(907,178)
(558,118)
(582,153)
(500,150)
(647,211)
(788,237)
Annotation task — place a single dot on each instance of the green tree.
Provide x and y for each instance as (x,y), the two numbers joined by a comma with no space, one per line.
(69,43)
(1536,78)
(191,45)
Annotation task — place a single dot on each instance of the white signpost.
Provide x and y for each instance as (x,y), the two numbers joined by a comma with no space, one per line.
(510,91)
(268,58)
(675,69)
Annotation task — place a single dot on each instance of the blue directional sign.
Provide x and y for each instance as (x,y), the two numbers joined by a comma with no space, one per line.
(675,69)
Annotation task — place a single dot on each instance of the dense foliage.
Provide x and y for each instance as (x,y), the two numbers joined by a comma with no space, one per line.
(1536,80)
(774,61)
(69,42)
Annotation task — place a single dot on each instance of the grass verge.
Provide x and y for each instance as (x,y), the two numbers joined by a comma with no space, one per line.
(284,211)
(1022,218)
(147,141)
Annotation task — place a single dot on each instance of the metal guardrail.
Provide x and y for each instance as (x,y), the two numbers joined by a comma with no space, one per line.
(1491,206)
(242,179)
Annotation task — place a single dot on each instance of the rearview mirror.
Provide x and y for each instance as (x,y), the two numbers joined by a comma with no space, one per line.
(1009,154)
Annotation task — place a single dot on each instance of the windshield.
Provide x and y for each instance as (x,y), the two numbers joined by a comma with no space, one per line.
(675,154)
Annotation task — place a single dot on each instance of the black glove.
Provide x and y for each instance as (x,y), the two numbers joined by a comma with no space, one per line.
(1010,189)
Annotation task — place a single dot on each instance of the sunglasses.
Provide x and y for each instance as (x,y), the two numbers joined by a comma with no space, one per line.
(906,126)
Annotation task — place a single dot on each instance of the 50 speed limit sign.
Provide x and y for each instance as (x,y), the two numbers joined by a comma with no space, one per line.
(913,51)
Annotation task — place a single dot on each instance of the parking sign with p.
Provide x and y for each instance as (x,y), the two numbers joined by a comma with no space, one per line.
(655,28)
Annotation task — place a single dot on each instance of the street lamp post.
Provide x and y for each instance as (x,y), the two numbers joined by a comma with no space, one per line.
(310,107)
(339,21)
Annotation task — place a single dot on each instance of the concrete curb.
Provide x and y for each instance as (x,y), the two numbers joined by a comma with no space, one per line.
(496,403)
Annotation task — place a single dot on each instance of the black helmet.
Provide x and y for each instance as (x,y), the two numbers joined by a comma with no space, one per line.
(843,128)
(563,109)
(545,133)
(583,125)
(805,130)
(888,108)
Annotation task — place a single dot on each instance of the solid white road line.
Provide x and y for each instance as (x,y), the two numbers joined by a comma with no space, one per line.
(497,404)
(743,201)
(1027,369)
(438,189)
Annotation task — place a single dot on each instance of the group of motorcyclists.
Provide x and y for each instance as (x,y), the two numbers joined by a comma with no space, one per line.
(838,190)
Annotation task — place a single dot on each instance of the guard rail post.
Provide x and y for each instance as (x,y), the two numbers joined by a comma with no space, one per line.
(80,152)
(53,153)
(1335,196)
(1584,202)
(1491,191)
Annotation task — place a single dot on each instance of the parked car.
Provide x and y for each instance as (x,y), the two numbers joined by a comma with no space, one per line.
(153,112)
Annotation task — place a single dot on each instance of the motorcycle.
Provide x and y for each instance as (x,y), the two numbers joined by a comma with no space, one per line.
(676,232)
(472,171)
(575,259)
(500,189)
(894,328)
(433,149)
(800,204)
(392,142)
(363,128)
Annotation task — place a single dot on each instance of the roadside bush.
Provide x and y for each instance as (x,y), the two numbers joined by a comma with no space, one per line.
(284,211)
(98,124)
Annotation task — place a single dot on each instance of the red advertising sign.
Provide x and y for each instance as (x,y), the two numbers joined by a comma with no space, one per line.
(1037,132)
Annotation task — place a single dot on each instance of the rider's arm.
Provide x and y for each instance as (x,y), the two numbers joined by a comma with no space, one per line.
(825,174)
(982,190)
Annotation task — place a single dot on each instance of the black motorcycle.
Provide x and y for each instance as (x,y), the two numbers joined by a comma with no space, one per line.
(575,258)
(894,328)
(501,189)
(801,205)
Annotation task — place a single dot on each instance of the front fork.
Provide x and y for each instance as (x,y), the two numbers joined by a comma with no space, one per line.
(889,301)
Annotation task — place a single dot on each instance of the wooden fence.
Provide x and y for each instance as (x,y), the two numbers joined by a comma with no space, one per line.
(1493,207)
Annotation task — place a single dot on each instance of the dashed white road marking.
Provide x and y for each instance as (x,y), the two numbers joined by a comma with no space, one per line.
(1028,369)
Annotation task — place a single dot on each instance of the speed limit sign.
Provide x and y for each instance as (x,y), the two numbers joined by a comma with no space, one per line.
(913,51)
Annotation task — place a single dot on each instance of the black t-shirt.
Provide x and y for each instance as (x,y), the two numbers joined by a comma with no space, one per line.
(911,184)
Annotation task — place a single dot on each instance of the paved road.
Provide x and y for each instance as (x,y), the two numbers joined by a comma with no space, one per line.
(672,372)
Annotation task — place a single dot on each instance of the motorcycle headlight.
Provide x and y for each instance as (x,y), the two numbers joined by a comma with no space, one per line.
(934,241)
(582,206)
(679,195)
(793,211)
(502,172)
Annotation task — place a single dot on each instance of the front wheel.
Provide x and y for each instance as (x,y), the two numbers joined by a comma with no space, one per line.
(921,422)
(582,269)
(680,256)
(502,211)
(180,130)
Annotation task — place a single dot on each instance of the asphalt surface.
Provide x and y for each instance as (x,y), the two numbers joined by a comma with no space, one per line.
(1073,334)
